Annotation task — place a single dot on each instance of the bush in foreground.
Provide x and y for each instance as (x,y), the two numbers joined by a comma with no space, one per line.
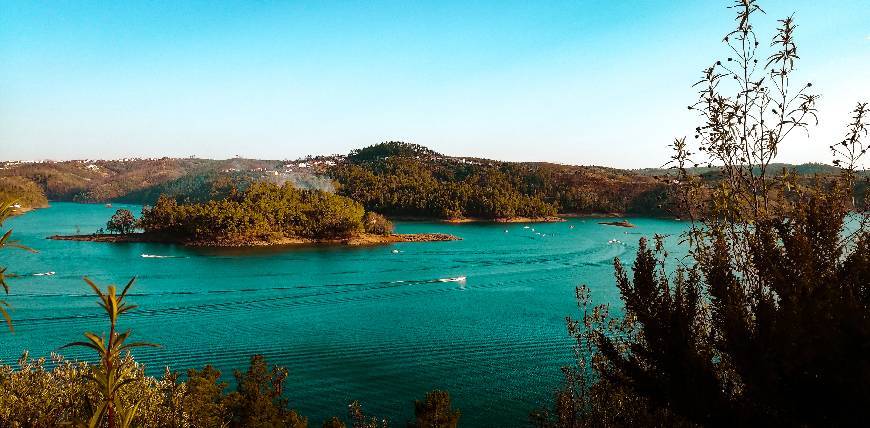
(767,321)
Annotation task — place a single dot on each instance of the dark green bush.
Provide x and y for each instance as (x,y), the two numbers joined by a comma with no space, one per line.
(767,321)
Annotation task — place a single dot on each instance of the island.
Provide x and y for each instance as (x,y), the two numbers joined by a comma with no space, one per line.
(264,214)
(361,239)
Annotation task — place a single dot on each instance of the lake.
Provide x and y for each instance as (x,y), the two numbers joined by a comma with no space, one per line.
(483,318)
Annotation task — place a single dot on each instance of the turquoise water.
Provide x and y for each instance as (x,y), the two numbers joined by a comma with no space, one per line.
(349,323)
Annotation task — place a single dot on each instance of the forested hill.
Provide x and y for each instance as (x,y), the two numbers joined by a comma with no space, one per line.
(393,178)
(409,180)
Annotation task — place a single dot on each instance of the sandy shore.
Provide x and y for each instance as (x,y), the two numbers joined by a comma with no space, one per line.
(358,240)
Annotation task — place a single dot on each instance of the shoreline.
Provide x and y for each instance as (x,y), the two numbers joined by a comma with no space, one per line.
(548,219)
(27,209)
(358,240)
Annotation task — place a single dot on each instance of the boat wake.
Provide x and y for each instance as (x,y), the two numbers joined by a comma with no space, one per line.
(155,256)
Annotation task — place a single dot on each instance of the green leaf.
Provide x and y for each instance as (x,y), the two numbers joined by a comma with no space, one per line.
(129,284)
(94,287)
(98,415)
(129,414)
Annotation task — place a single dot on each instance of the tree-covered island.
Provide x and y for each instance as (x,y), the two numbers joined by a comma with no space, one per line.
(263,214)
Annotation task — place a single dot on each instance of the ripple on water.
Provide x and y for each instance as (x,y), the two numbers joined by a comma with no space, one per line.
(361,323)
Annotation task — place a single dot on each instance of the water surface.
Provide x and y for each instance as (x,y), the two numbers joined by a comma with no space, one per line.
(371,324)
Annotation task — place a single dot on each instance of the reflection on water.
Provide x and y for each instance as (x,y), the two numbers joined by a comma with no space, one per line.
(482,317)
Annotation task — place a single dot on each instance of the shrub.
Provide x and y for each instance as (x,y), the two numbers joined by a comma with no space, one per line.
(377,224)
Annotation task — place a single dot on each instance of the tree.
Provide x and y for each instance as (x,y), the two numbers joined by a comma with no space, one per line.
(767,322)
(435,412)
(258,401)
(203,398)
(122,222)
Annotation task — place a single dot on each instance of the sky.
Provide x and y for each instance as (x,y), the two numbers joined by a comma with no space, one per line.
(579,82)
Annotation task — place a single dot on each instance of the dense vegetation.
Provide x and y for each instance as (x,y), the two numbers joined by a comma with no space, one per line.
(767,321)
(263,212)
(410,180)
(432,186)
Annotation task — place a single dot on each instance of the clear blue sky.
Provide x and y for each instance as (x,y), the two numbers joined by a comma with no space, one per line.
(585,82)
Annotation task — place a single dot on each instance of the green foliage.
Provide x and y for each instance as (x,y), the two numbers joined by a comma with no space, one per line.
(377,224)
(434,412)
(409,180)
(121,222)
(391,149)
(714,346)
(767,321)
(202,399)
(258,402)
(34,396)
(412,186)
(403,179)
(264,211)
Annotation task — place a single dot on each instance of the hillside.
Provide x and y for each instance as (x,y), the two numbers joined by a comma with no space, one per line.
(394,178)
(407,180)
(144,180)
(24,192)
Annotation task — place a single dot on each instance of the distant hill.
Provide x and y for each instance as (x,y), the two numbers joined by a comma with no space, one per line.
(394,178)
(144,180)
